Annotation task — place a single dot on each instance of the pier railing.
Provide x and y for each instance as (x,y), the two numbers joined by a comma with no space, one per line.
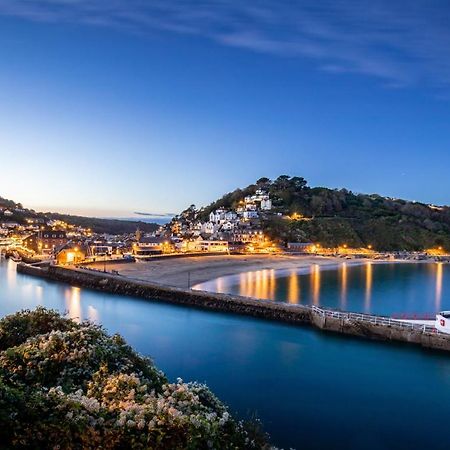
(374,320)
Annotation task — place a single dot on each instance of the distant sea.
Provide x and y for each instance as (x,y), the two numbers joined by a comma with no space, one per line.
(145,219)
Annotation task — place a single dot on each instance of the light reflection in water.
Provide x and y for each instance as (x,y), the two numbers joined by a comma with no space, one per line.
(349,286)
(38,293)
(368,296)
(315,283)
(293,289)
(93,314)
(344,281)
(11,274)
(258,284)
(219,286)
(73,303)
(272,283)
(439,274)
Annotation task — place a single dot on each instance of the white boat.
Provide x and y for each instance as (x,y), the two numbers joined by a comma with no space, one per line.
(443,322)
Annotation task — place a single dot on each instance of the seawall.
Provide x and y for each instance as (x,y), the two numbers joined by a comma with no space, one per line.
(360,325)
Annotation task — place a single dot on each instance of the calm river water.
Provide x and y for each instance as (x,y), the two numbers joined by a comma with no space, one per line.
(382,288)
(311,390)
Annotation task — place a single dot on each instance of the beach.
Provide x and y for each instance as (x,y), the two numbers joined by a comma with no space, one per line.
(190,271)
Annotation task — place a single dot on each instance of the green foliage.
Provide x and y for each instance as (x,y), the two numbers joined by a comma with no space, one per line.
(111,226)
(72,386)
(340,216)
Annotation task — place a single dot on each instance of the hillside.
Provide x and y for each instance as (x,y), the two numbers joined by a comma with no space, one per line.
(333,217)
(111,226)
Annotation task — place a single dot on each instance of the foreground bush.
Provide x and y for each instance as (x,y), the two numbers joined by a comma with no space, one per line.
(71,386)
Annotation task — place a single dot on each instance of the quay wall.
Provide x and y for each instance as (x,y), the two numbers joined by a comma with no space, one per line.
(282,312)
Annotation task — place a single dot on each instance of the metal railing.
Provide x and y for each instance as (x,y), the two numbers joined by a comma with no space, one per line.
(374,320)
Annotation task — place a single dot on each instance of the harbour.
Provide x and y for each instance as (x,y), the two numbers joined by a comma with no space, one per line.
(296,379)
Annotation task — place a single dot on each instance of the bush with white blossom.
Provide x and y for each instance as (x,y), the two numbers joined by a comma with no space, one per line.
(65,385)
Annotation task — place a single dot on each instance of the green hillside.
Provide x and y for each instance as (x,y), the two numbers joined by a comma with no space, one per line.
(333,217)
(98,225)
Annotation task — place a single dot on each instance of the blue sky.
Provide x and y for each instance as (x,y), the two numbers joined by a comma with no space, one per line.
(111,107)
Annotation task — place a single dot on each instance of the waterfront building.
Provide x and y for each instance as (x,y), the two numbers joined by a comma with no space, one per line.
(305,247)
(152,245)
(72,253)
(44,242)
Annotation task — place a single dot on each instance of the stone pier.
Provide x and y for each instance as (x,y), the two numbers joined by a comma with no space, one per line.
(360,325)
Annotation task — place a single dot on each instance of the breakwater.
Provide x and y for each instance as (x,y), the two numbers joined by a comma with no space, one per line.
(360,325)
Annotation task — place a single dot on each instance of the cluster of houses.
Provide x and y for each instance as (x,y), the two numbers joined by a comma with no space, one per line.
(234,230)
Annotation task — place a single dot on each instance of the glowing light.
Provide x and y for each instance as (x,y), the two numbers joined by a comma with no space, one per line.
(439,275)
(368,296)
(73,303)
(315,283)
(344,276)
(293,289)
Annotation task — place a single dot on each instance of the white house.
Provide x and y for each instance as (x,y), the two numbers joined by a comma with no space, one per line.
(250,215)
(227,226)
(266,204)
(209,228)
(261,199)
(218,216)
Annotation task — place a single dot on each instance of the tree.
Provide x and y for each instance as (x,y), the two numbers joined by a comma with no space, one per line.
(298,182)
(263,182)
(282,182)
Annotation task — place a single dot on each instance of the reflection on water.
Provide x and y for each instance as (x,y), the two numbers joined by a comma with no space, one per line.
(93,314)
(72,296)
(315,284)
(258,284)
(368,287)
(344,275)
(232,355)
(386,288)
(293,292)
(11,274)
(439,275)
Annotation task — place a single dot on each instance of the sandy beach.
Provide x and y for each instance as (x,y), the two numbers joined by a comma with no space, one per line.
(181,272)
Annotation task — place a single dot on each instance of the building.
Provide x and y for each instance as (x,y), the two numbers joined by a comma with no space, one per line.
(303,247)
(212,246)
(98,248)
(44,242)
(71,253)
(209,228)
(148,246)
(248,235)
(250,214)
(259,200)
(204,245)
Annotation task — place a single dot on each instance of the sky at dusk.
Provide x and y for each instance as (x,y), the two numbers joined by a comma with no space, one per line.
(108,107)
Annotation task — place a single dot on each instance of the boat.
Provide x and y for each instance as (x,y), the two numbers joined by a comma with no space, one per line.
(443,322)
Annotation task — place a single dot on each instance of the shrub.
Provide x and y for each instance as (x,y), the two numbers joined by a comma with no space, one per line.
(65,385)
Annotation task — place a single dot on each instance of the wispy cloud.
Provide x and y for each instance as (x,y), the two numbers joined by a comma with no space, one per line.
(150,214)
(402,43)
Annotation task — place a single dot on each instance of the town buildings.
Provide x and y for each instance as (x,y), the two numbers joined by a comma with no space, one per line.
(45,241)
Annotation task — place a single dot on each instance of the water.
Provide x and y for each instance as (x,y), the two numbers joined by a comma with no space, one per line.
(312,390)
(386,289)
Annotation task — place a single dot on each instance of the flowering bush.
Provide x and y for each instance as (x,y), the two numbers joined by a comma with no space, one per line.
(65,385)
